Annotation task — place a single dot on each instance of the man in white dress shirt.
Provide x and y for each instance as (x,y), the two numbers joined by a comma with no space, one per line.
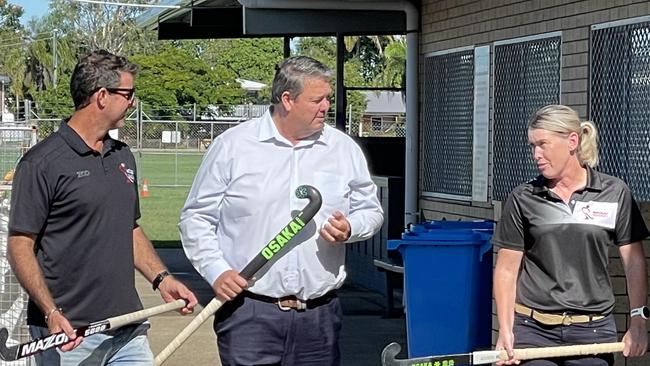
(243,195)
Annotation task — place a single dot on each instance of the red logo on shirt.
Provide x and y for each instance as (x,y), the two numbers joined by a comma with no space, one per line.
(587,212)
(128,173)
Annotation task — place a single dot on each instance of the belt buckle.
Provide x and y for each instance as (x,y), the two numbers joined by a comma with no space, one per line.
(300,305)
(566,319)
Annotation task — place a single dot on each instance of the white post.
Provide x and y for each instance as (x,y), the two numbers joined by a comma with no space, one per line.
(2,113)
(55,61)
(350,119)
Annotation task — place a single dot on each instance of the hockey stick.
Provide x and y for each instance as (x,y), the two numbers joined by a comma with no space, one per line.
(267,253)
(54,340)
(485,357)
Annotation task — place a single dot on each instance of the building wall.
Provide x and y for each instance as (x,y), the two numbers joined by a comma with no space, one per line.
(451,24)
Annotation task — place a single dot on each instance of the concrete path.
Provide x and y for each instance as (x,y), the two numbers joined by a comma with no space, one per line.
(364,335)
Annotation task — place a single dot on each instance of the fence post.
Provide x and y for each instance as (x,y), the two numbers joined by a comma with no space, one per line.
(350,120)
(177,134)
(138,124)
(28,111)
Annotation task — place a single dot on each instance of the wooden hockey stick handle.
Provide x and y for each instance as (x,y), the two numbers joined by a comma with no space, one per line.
(564,351)
(129,318)
(485,357)
(201,317)
(492,356)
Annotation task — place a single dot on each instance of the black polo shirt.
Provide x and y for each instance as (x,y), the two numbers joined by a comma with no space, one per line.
(83,206)
(564,267)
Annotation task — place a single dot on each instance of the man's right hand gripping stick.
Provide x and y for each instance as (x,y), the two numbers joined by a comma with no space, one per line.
(266,255)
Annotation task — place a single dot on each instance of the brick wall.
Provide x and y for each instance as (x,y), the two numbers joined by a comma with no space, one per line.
(451,24)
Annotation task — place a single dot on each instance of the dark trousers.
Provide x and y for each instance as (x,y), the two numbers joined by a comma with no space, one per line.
(253,332)
(530,333)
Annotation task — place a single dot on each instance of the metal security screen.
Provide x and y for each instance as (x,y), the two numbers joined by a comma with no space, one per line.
(526,77)
(447,125)
(620,101)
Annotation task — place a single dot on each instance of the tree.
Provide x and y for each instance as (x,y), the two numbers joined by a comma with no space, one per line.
(394,72)
(10,15)
(383,58)
(175,78)
(252,58)
(96,26)
(12,44)
(323,49)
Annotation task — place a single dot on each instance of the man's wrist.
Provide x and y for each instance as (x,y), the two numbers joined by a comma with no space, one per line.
(48,314)
(159,279)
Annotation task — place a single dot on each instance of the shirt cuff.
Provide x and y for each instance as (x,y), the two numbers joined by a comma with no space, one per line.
(356,229)
(213,270)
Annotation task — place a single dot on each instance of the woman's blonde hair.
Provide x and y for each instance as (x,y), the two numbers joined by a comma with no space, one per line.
(564,120)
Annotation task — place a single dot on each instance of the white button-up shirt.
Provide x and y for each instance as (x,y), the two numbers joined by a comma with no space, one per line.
(243,195)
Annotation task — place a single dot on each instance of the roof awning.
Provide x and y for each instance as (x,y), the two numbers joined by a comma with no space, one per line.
(229,19)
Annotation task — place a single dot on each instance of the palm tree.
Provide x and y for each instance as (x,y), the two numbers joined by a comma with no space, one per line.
(388,58)
(394,73)
(42,62)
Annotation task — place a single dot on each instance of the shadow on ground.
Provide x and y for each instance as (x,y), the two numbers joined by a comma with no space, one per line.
(365,329)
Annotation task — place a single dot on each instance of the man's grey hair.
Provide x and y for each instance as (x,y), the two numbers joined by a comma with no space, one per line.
(98,69)
(292,73)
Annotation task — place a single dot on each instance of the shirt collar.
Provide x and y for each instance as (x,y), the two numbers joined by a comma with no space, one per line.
(72,138)
(594,183)
(267,130)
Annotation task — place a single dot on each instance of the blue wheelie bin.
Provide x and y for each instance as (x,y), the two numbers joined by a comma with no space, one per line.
(447,286)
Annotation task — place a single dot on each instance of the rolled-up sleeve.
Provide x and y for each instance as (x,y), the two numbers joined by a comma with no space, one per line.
(199,219)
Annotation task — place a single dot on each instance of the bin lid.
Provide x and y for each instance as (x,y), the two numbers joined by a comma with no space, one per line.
(439,237)
(445,224)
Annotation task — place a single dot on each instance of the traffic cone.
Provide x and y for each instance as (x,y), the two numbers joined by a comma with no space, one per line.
(145,189)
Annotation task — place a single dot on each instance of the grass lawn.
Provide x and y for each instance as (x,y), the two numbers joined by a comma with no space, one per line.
(168,169)
(161,210)
(160,213)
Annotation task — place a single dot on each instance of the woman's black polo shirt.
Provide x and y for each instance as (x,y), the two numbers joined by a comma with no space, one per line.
(564,267)
(83,207)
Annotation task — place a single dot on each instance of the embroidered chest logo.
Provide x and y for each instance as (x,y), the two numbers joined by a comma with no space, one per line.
(128,173)
(587,212)
(596,213)
(83,173)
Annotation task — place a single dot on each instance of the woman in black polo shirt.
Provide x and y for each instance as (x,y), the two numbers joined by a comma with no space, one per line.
(551,282)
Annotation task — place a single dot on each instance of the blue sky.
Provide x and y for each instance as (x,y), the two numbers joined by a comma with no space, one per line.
(33,8)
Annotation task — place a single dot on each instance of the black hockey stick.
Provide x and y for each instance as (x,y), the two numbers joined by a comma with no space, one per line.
(267,253)
(485,357)
(57,339)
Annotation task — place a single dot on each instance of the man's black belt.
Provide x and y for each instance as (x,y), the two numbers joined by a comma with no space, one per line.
(287,303)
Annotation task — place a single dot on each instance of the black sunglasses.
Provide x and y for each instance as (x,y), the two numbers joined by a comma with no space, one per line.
(130,92)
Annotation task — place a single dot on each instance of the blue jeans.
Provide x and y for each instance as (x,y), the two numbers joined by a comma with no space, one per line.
(530,333)
(126,346)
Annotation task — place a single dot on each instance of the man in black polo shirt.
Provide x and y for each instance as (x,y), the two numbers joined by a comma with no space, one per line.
(74,239)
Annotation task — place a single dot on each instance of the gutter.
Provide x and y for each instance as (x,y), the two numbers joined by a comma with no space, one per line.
(150,18)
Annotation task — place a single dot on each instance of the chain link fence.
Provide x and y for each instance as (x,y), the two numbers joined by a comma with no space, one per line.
(15,139)
(169,143)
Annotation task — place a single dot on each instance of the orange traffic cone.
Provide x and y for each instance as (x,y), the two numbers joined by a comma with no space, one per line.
(145,189)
